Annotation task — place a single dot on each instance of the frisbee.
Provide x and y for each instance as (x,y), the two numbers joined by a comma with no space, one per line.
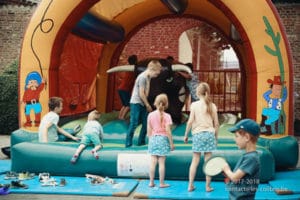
(214,166)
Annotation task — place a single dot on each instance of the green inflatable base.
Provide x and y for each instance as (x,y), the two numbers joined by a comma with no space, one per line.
(29,155)
(55,158)
(285,151)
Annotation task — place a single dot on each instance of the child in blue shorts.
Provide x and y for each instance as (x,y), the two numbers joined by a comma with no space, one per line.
(92,134)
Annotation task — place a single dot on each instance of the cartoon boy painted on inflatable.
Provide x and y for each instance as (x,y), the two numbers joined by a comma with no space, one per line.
(34,84)
(275,98)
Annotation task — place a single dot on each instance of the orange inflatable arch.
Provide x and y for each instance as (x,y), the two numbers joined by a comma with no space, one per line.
(48,52)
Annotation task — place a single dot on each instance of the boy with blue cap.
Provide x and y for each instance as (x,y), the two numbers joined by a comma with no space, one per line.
(244,179)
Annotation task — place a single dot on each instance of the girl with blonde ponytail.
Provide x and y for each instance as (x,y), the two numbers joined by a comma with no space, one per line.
(203,123)
(160,138)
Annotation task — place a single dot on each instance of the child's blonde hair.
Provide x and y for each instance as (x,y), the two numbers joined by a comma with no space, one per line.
(203,90)
(93,115)
(154,65)
(161,103)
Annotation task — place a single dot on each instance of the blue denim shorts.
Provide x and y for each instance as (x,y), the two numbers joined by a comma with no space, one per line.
(204,142)
(159,145)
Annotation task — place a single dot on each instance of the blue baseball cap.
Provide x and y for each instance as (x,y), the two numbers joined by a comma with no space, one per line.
(247,125)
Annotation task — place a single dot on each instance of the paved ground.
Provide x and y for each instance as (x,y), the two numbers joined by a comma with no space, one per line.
(5,141)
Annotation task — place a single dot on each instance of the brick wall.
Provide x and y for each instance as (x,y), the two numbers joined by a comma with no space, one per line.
(158,39)
(13,22)
(14,19)
(290,16)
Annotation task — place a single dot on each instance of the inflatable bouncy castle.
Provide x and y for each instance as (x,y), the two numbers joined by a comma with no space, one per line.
(69,47)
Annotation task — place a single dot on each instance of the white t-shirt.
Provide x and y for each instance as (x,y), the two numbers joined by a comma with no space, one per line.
(53,118)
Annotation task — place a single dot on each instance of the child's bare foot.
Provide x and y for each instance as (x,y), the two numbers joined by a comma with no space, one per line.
(151,184)
(191,188)
(164,185)
(209,189)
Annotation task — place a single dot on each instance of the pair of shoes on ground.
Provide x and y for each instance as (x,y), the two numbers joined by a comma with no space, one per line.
(18,185)
(49,182)
(96,179)
(75,157)
(25,176)
(11,175)
(44,176)
(102,180)
(46,180)
(53,182)
(20,176)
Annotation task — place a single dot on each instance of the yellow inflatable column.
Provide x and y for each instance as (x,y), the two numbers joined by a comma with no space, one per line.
(52,21)
(268,64)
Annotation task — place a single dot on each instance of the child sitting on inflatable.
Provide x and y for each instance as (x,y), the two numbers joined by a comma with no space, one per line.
(92,133)
(49,131)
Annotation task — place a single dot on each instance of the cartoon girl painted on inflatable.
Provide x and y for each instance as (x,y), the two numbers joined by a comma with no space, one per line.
(275,98)
(34,84)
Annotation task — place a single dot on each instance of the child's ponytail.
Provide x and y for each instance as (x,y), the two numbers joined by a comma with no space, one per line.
(161,103)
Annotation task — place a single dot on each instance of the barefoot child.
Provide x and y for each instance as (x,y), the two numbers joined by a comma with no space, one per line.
(92,133)
(160,138)
(244,179)
(204,123)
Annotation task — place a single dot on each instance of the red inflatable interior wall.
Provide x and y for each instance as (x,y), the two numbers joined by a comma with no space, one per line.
(77,75)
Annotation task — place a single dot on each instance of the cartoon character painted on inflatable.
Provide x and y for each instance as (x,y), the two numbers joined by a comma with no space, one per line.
(273,116)
(34,84)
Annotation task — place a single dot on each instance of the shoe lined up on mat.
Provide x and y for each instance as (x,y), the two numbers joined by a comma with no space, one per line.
(44,176)
(95,179)
(46,179)
(62,182)
(11,175)
(18,185)
(102,180)
(109,180)
(25,176)
(49,182)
